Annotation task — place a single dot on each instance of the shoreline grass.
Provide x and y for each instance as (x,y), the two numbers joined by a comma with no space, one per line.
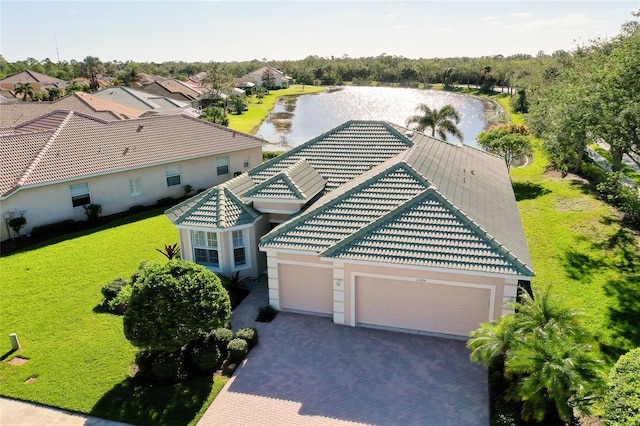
(250,120)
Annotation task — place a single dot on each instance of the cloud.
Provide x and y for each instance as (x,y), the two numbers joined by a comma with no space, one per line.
(520,15)
(391,16)
(570,21)
(491,20)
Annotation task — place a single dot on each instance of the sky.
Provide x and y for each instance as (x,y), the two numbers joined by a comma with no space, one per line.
(235,30)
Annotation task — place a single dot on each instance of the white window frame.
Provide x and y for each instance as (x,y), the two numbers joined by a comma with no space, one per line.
(246,163)
(171,173)
(135,187)
(205,243)
(80,191)
(238,241)
(222,166)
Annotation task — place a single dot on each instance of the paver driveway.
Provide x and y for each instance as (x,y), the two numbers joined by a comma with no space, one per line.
(308,371)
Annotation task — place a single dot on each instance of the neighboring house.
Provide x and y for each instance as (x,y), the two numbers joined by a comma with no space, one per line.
(152,104)
(176,89)
(57,163)
(370,224)
(15,113)
(84,80)
(39,82)
(256,77)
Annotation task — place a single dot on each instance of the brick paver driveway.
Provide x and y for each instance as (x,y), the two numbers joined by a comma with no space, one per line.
(308,371)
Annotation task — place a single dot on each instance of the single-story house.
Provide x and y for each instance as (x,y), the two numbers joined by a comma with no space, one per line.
(175,89)
(256,77)
(15,113)
(150,103)
(40,82)
(58,163)
(370,224)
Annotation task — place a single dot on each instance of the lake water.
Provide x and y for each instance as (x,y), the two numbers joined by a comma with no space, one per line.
(295,120)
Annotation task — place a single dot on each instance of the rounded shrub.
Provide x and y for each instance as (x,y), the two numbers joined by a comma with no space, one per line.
(237,350)
(249,334)
(222,336)
(623,396)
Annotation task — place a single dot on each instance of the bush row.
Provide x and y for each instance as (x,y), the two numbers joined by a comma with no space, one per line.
(216,349)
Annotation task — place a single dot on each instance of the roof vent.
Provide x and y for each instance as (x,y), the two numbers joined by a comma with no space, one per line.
(139,128)
(409,133)
(125,151)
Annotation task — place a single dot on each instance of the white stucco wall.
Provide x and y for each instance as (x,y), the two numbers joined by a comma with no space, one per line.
(52,203)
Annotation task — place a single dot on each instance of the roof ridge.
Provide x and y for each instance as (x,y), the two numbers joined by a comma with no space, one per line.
(290,170)
(45,148)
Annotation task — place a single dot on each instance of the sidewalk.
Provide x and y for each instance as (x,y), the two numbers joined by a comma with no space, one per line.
(20,413)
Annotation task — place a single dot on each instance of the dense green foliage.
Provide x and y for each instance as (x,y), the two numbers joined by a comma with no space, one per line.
(249,334)
(174,304)
(623,395)
(237,349)
(546,357)
(593,98)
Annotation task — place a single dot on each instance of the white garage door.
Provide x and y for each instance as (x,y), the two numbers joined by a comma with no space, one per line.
(305,288)
(437,308)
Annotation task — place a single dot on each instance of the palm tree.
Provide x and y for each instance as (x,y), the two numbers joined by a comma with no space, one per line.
(442,121)
(26,90)
(544,355)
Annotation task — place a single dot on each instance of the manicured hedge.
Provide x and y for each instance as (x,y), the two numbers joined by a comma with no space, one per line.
(623,395)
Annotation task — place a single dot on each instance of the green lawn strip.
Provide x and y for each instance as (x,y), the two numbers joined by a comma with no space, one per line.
(250,120)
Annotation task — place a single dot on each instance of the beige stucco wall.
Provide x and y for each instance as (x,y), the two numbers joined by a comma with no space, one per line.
(345,275)
(52,203)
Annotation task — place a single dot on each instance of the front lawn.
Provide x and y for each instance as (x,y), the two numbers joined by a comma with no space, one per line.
(250,120)
(78,358)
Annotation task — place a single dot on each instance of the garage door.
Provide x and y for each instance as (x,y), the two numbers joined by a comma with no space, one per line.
(305,288)
(437,308)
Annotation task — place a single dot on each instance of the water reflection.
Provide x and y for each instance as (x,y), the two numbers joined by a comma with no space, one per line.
(294,121)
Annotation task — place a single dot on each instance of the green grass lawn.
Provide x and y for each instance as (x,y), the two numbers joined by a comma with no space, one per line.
(250,120)
(79,357)
(580,249)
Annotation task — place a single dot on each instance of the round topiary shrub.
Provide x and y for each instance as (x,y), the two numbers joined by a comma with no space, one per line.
(249,334)
(221,336)
(237,350)
(204,354)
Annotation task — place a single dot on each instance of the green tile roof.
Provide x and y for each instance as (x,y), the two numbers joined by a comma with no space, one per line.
(217,208)
(299,182)
(342,153)
(428,231)
(322,227)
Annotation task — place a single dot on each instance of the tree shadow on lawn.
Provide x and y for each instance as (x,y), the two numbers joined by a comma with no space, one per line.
(528,190)
(581,266)
(624,293)
(161,405)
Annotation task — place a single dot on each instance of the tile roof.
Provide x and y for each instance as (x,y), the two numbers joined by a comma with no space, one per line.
(472,184)
(299,182)
(13,114)
(428,231)
(34,77)
(216,208)
(138,99)
(321,227)
(342,153)
(77,145)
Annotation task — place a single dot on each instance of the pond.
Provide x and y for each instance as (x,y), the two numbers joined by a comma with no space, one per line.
(295,120)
